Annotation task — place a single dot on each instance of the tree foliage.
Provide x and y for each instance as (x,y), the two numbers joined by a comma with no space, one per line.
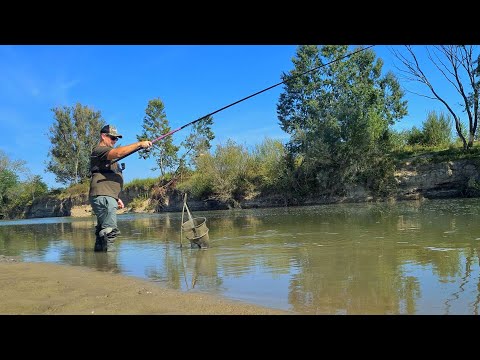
(15,194)
(23,193)
(415,136)
(35,187)
(228,175)
(198,142)
(269,158)
(166,153)
(436,131)
(73,135)
(234,173)
(338,117)
(9,178)
(155,124)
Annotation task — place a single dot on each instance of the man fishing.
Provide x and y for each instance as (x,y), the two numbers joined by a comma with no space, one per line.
(106,184)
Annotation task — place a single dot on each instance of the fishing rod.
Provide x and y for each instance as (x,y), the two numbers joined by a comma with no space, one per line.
(238,101)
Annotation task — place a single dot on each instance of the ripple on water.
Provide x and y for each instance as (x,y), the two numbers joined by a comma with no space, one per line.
(438,249)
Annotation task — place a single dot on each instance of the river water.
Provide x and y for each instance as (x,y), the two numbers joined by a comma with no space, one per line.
(400,258)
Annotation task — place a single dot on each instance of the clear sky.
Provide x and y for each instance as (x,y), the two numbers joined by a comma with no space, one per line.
(119,80)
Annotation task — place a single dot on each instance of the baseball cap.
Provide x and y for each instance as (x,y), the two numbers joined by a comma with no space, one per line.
(110,130)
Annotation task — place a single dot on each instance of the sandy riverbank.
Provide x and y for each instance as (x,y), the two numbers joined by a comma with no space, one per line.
(45,288)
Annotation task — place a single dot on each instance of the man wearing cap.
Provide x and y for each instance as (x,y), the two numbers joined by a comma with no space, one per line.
(107,183)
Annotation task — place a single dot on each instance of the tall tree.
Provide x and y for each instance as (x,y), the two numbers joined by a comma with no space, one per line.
(155,124)
(459,66)
(338,117)
(73,135)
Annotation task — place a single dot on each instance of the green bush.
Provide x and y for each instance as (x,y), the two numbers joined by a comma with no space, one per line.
(77,189)
(437,130)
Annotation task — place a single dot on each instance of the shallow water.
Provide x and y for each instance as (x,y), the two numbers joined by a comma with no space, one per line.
(403,258)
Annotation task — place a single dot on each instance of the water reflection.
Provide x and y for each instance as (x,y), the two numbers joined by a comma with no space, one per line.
(404,258)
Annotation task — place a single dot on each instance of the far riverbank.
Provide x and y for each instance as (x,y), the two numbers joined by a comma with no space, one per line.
(415,181)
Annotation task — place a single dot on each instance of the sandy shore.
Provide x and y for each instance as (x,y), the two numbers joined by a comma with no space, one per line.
(45,288)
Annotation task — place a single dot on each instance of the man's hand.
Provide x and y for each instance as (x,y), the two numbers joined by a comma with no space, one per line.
(120,204)
(147,144)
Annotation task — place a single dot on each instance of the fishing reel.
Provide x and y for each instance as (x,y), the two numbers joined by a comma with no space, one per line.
(145,153)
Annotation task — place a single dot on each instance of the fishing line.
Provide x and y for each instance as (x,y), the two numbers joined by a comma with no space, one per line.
(245,98)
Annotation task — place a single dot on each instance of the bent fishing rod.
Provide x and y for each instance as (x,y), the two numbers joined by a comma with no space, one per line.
(239,101)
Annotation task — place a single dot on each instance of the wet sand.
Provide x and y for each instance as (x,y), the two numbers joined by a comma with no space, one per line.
(44,288)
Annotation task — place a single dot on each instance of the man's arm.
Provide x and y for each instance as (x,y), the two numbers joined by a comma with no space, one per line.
(127,149)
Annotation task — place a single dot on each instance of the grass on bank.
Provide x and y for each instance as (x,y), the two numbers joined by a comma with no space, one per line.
(423,154)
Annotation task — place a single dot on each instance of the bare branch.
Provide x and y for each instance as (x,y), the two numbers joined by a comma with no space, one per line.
(447,53)
(453,62)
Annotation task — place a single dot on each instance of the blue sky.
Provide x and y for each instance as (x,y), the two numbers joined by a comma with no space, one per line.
(119,80)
